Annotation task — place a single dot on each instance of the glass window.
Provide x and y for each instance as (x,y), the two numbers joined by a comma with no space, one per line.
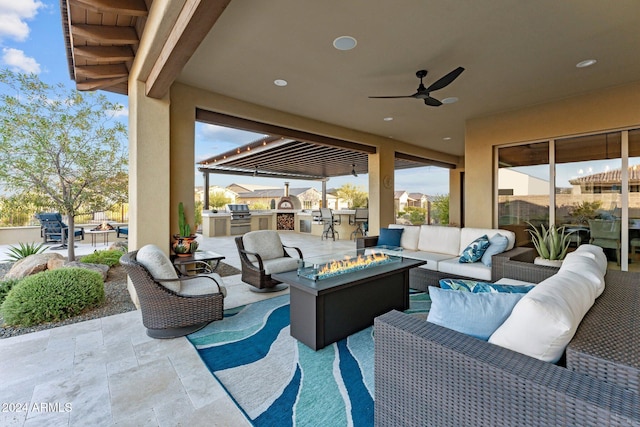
(523,188)
(588,190)
(634,200)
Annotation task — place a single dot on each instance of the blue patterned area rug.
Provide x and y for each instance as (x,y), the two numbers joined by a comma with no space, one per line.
(277,381)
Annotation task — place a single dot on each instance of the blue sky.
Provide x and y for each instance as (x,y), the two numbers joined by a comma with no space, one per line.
(31,41)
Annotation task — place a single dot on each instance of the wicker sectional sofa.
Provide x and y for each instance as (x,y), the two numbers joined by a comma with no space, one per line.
(441,247)
(428,375)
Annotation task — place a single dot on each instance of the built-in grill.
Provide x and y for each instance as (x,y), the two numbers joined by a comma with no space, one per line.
(240,218)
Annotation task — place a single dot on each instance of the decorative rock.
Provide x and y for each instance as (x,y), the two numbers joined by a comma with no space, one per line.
(100,268)
(120,245)
(55,263)
(31,265)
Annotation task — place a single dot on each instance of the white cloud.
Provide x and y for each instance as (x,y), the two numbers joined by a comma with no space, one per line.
(13,14)
(19,62)
(124,112)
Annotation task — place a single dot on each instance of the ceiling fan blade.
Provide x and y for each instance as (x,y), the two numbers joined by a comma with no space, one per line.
(432,102)
(406,96)
(446,80)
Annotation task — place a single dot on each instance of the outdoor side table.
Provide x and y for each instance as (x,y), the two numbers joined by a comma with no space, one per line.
(95,233)
(207,257)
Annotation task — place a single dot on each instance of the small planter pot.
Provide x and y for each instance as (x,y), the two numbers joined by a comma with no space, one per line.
(548,262)
(184,246)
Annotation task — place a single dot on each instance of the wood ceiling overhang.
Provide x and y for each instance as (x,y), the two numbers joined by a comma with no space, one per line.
(101,38)
(292,154)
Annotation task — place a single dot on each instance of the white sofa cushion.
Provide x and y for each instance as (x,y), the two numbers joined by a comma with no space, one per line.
(265,243)
(202,286)
(477,270)
(545,320)
(598,254)
(440,239)
(159,266)
(279,265)
(469,234)
(432,259)
(410,236)
(584,263)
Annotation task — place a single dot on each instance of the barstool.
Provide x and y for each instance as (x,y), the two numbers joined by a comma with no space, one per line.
(329,222)
(359,219)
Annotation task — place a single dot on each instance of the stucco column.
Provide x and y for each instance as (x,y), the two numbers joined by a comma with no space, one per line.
(149,161)
(381,188)
(182,170)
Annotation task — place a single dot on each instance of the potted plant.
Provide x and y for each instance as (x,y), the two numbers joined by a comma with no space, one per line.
(184,242)
(552,244)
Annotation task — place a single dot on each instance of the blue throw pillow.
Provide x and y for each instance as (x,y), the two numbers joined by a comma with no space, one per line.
(497,245)
(390,236)
(475,250)
(478,315)
(479,287)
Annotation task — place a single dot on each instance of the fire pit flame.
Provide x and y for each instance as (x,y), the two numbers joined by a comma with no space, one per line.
(105,226)
(350,264)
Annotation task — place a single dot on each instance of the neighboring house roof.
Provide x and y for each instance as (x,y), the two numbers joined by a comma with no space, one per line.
(276,192)
(252,187)
(399,193)
(613,176)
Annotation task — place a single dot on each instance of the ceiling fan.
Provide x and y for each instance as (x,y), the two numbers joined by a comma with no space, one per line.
(423,92)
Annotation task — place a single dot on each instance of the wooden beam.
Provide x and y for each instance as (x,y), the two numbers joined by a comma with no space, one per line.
(102,54)
(106,34)
(102,71)
(196,19)
(119,7)
(101,84)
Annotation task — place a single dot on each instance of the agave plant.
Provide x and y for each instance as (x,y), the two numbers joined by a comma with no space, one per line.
(551,243)
(23,250)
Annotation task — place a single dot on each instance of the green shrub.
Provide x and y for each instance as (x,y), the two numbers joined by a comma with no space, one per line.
(5,287)
(23,250)
(108,257)
(52,295)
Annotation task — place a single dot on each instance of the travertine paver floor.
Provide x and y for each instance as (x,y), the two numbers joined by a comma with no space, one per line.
(108,372)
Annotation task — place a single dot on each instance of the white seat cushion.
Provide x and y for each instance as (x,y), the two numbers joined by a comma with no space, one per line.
(279,265)
(545,320)
(159,266)
(584,263)
(598,253)
(202,285)
(476,270)
(432,259)
(439,239)
(265,243)
(410,236)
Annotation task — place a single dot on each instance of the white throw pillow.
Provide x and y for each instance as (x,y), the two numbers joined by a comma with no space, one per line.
(598,254)
(159,266)
(545,320)
(439,239)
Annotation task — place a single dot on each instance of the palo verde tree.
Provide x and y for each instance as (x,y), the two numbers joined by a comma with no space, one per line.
(62,144)
(354,196)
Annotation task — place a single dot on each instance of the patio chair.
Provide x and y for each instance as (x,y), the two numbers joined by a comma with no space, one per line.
(172,305)
(360,219)
(329,224)
(122,230)
(261,254)
(52,229)
(606,234)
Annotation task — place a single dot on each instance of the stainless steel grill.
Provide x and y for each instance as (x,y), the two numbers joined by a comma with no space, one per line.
(240,218)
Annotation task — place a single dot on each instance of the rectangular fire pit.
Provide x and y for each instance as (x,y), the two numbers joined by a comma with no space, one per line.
(325,310)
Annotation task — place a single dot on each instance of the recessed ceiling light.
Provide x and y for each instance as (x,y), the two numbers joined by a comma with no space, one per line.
(345,43)
(586,63)
(446,138)
(450,100)
(280,82)
(388,119)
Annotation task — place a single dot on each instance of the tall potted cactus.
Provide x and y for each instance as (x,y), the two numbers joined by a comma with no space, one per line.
(184,243)
(551,243)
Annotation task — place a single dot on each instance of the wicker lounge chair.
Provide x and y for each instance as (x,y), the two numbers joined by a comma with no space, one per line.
(427,375)
(262,253)
(169,314)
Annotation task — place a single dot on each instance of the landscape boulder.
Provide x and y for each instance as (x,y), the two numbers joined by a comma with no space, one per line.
(31,265)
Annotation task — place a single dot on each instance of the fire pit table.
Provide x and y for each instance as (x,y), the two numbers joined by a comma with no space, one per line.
(103,229)
(333,298)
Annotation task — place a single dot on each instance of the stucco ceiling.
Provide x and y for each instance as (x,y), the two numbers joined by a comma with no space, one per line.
(515,53)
